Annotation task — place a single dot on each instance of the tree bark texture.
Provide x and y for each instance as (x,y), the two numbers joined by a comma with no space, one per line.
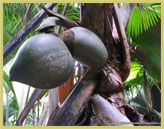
(106,114)
(98,18)
(73,106)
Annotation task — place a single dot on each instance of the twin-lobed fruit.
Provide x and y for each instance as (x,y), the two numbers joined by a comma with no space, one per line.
(45,62)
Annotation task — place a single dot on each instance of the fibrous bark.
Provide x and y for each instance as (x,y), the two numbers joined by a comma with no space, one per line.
(99,19)
(71,109)
(106,114)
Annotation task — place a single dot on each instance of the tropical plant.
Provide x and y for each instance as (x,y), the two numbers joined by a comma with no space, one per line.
(24,105)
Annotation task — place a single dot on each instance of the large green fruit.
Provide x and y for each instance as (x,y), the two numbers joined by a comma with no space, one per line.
(43,61)
(85,46)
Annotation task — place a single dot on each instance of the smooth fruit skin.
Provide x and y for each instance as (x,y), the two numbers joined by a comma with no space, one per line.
(43,61)
(85,46)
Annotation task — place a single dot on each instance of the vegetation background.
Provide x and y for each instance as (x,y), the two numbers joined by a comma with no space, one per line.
(142,88)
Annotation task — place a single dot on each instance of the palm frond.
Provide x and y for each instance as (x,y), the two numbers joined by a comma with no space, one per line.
(136,73)
(143,18)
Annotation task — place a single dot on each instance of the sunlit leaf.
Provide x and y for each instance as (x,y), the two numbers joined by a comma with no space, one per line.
(143,18)
(136,73)
(149,50)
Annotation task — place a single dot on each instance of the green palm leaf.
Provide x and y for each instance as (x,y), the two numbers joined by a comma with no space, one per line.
(149,50)
(143,17)
(136,73)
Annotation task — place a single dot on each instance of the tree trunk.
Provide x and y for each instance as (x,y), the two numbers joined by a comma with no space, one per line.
(99,19)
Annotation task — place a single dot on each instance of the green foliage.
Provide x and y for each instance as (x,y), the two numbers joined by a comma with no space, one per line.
(144,102)
(13,21)
(137,94)
(150,41)
(144,30)
(8,84)
(6,36)
(139,29)
(136,73)
(136,80)
(72,11)
(142,18)
(133,83)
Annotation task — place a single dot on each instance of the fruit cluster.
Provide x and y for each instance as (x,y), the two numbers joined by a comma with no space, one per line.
(46,61)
